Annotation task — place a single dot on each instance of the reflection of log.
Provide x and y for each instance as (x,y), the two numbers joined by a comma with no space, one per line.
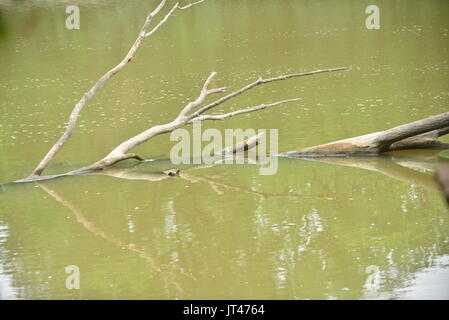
(442,176)
(166,276)
(216,185)
(392,167)
(421,160)
(418,134)
(134,173)
(244,145)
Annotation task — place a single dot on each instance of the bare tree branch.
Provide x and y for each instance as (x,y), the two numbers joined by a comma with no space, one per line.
(203,94)
(190,4)
(255,84)
(146,35)
(176,6)
(241,111)
(121,152)
(100,83)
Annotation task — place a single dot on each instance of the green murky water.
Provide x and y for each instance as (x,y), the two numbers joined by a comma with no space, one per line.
(328,229)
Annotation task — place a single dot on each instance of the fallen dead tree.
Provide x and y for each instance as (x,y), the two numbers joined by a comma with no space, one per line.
(421,134)
(143,34)
(190,113)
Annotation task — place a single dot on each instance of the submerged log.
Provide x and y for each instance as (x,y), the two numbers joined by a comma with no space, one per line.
(242,146)
(421,134)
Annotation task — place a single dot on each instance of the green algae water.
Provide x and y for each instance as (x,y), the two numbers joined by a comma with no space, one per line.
(360,228)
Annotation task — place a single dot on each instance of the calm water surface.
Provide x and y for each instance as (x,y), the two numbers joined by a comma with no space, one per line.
(328,229)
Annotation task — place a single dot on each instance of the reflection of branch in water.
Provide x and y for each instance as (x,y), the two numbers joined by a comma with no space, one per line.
(396,167)
(121,243)
(424,160)
(131,173)
(215,186)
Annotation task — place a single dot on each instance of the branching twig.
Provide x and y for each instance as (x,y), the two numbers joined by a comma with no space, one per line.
(186,116)
(100,83)
(241,111)
(203,94)
(121,151)
(255,84)
(190,4)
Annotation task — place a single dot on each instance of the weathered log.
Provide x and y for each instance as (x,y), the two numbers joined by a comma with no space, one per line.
(414,135)
(427,140)
(242,146)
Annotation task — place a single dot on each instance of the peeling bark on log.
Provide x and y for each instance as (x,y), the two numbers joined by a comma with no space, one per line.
(427,140)
(419,134)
